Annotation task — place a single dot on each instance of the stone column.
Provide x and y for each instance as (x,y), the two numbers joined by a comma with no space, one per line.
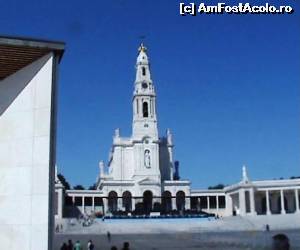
(282,202)
(174,203)
(73,206)
(208,205)
(119,203)
(297,201)
(228,204)
(242,204)
(59,197)
(252,201)
(199,204)
(217,202)
(268,212)
(132,204)
(187,203)
(105,205)
(93,203)
(83,207)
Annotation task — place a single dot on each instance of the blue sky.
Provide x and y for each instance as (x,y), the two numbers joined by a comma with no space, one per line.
(227,85)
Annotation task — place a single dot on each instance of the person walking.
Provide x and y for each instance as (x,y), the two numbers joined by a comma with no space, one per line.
(77,245)
(90,245)
(126,246)
(64,246)
(108,236)
(70,245)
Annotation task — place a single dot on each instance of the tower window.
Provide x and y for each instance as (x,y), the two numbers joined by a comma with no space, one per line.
(145,109)
(143,71)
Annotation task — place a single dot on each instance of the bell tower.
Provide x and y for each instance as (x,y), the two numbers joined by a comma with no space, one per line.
(144,103)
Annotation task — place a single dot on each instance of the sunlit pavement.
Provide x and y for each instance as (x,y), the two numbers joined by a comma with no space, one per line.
(205,240)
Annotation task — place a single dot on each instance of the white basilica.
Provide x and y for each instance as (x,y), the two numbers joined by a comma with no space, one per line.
(141,165)
(140,177)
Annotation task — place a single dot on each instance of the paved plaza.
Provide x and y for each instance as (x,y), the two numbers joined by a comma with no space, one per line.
(204,241)
(226,233)
(183,225)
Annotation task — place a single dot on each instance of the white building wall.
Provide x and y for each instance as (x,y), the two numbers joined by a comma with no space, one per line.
(116,164)
(164,161)
(25,111)
(128,162)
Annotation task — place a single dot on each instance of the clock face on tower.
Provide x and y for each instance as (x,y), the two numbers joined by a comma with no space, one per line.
(144,85)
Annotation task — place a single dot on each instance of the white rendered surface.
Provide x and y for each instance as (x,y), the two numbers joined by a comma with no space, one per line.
(25,104)
(143,161)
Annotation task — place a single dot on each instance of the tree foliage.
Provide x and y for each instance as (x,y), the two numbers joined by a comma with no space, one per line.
(64,181)
(93,187)
(294,177)
(219,186)
(78,187)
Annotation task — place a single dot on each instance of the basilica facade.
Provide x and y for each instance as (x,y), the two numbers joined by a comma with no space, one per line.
(141,175)
(142,165)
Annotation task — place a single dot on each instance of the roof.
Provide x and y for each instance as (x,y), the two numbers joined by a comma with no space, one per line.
(17,52)
(207,191)
(269,184)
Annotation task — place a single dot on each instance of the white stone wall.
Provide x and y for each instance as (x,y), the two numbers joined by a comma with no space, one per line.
(141,171)
(122,166)
(164,161)
(128,163)
(25,111)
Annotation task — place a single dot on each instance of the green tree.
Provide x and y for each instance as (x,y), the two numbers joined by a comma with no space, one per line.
(78,187)
(294,177)
(64,181)
(219,186)
(93,187)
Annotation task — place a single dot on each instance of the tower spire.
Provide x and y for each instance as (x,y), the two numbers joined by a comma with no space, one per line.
(144,104)
(142,66)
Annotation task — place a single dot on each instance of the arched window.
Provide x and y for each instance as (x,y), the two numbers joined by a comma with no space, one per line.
(143,71)
(145,109)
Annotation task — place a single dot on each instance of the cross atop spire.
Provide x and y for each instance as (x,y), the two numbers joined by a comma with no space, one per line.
(142,48)
(142,56)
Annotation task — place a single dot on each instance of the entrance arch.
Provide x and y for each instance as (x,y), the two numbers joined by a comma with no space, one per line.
(166,201)
(112,201)
(180,200)
(147,201)
(126,201)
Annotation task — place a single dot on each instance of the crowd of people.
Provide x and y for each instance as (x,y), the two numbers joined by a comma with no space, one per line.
(77,245)
(90,245)
(280,242)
